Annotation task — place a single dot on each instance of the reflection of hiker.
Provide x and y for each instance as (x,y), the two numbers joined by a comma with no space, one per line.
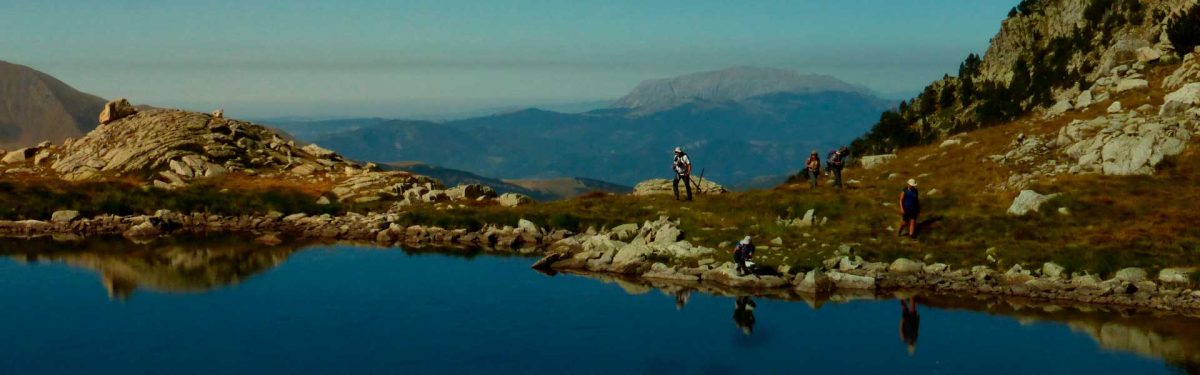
(835,162)
(742,254)
(683,171)
(681,298)
(812,168)
(743,314)
(910,324)
(910,208)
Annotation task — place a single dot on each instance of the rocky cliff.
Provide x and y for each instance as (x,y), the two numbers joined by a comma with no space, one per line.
(168,148)
(1046,53)
(36,107)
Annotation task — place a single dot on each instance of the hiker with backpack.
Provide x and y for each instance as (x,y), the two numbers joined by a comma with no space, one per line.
(741,256)
(812,168)
(910,209)
(683,172)
(835,163)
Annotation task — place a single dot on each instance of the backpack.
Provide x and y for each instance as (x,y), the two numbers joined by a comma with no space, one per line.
(679,165)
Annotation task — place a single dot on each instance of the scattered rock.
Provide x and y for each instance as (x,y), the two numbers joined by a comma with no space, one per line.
(1115,107)
(1132,84)
(1176,276)
(513,200)
(116,110)
(1131,274)
(662,186)
(950,143)
(871,162)
(852,282)
(64,216)
(1181,100)
(1148,54)
(1028,201)
(814,282)
(1052,270)
(1083,100)
(218,113)
(269,239)
(906,266)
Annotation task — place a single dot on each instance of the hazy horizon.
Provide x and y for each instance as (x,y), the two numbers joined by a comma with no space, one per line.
(431,58)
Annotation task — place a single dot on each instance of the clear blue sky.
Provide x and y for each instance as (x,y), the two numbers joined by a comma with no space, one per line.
(413,58)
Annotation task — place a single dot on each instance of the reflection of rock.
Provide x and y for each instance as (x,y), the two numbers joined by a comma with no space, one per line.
(194,267)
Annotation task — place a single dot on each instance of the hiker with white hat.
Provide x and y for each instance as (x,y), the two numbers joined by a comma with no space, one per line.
(683,172)
(910,209)
(742,254)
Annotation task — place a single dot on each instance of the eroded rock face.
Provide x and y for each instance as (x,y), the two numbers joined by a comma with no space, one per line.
(116,110)
(1123,144)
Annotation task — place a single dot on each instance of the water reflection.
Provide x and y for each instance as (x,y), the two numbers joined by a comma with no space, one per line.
(910,324)
(177,266)
(1170,336)
(743,314)
(190,265)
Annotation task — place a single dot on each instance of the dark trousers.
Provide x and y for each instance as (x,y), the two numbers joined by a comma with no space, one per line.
(837,176)
(687,184)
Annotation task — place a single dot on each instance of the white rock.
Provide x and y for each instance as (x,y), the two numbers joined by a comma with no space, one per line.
(950,142)
(1181,100)
(1057,109)
(1028,201)
(1148,54)
(1115,107)
(870,162)
(1131,84)
(1084,100)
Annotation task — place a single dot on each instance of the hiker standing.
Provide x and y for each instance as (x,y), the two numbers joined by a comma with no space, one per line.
(813,168)
(910,209)
(741,254)
(837,161)
(683,171)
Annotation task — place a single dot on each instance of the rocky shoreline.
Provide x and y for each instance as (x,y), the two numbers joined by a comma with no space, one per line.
(653,251)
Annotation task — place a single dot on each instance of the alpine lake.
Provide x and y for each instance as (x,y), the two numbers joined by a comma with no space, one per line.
(231,306)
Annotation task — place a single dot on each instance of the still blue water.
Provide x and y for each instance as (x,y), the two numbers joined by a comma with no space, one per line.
(343,309)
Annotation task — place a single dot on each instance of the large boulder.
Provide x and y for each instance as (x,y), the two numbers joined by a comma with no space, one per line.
(1181,100)
(116,110)
(906,266)
(513,200)
(64,216)
(1028,201)
(1132,84)
(815,282)
(470,192)
(1131,274)
(662,186)
(870,162)
(854,282)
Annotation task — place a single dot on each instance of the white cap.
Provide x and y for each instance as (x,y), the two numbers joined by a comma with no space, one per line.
(912,182)
(746,240)
(677,149)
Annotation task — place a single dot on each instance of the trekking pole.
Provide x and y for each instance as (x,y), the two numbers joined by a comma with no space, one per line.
(699,190)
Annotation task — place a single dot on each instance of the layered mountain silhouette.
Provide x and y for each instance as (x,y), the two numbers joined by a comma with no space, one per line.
(737,124)
(36,107)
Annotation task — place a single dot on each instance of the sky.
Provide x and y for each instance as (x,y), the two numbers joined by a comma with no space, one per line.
(304,58)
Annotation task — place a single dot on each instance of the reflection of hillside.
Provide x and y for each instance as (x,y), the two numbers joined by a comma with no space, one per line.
(183,266)
(1172,337)
(1152,334)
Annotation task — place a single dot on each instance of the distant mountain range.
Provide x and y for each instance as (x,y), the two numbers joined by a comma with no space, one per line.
(36,107)
(737,124)
(542,190)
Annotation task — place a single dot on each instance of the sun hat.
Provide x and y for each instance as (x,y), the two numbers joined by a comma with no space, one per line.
(912,182)
(746,240)
(677,149)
